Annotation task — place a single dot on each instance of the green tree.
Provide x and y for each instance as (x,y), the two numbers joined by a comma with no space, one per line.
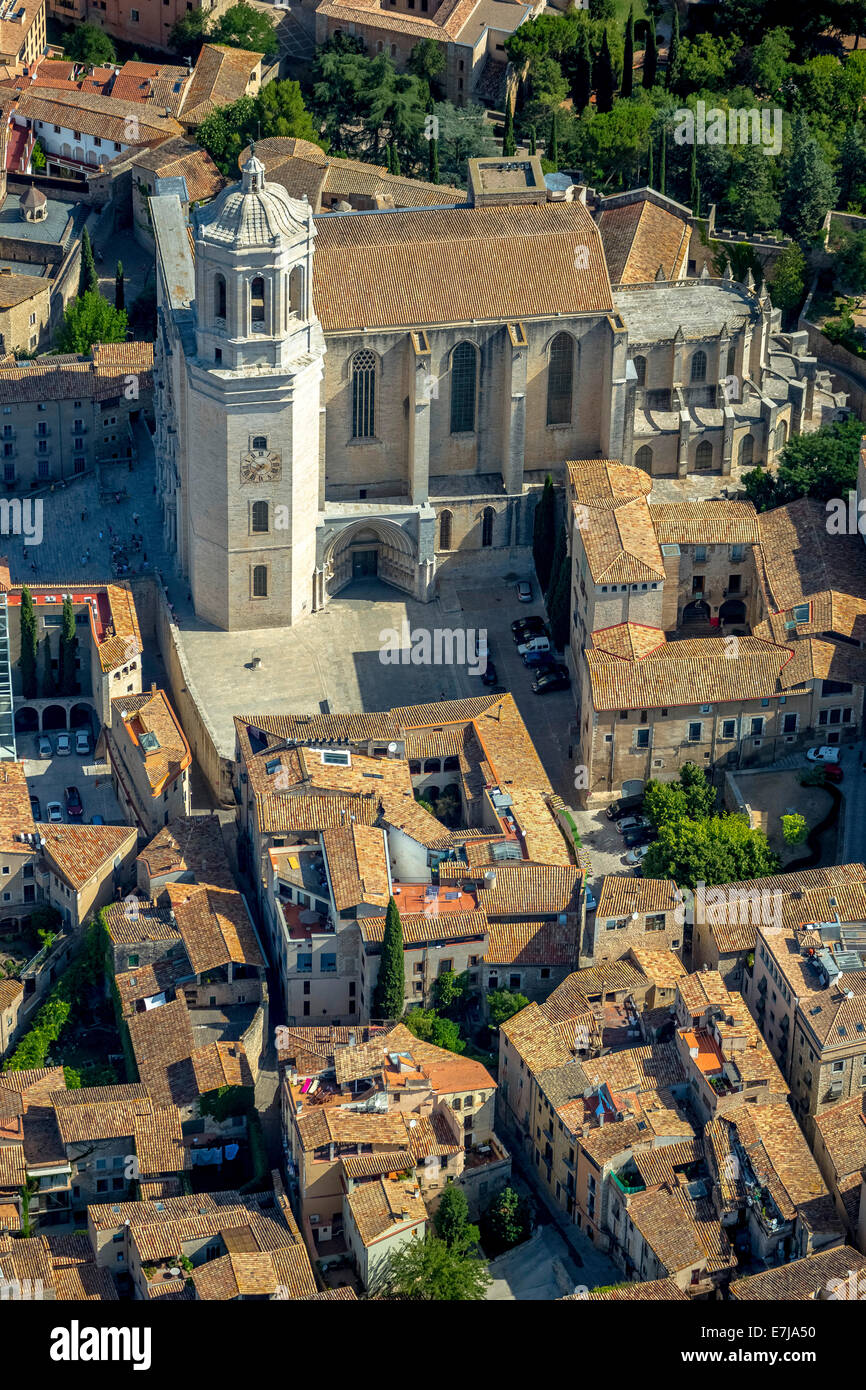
(428,1271)
(706,62)
(429,1026)
(68,650)
(87,276)
(650,57)
(88,44)
(769,61)
(531,138)
(451,1220)
(691,796)
(751,200)
(507,1221)
(553,146)
(809,188)
(48,684)
(277,110)
(90,319)
(450,991)
(389,997)
(560,548)
(627,86)
(581,86)
(650,166)
(188,34)
(822,464)
(663,160)
(433,169)
(29,640)
(464,134)
(788,285)
(716,849)
(672,74)
(850,262)
(604,81)
(503,1004)
(852,168)
(427,62)
(243,26)
(543,531)
(795,829)
(119,297)
(694,185)
(508,143)
(37,158)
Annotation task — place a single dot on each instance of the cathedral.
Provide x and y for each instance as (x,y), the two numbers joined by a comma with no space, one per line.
(352,394)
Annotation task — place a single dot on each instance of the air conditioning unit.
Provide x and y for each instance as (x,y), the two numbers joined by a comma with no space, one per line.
(314,1220)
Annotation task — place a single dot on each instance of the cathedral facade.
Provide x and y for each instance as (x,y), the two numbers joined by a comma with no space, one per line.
(361,394)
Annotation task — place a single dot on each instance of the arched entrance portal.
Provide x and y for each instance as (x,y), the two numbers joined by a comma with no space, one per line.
(371,550)
(54,717)
(26,720)
(81,717)
(733,610)
(697,612)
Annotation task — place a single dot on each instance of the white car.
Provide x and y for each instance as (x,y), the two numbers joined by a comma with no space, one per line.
(825,754)
(534,644)
(44,745)
(82,742)
(524,591)
(55,811)
(64,745)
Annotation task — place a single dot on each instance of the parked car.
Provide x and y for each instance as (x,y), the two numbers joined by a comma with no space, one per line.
(74,805)
(537,658)
(35,808)
(97,820)
(64,745)
(638,837)
(522,628)
(591,903)
(489,676)
(524,591)
(824,754)
(539,643)
(55,811)
(44,746)
(551,678)
(626,806)
(82,742)
(632,823)
(635,856)
(833,772)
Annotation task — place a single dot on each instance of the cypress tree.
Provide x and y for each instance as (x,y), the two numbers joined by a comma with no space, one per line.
(604,83)
(697,197)
(581,89)
(650,57)
(662,159)
(395,159)
(388,161)
(628,56)
(650,173)
(693,179)
(48,686)
(119,297)
(87,276)
(68,649)
(508,144)
(389,996)
(674,51)
(542,533)
(553,150)
(532,140)
(434,161)
(559,598)
(559,548)
(27,660)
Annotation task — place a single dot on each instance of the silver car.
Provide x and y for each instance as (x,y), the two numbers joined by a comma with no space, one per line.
(45,746)
(64,745)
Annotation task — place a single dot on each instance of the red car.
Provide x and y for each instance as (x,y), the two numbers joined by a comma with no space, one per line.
(833,772)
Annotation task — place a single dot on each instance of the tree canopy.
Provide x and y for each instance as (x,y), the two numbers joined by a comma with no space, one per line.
(87,43)
(431,1271)
(711,850)
(277,110)
(822,465)
(90,319)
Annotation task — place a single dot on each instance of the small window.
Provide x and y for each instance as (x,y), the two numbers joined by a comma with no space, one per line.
(259,517)
(695,731)
(257,303)
(699,366)
(260,581)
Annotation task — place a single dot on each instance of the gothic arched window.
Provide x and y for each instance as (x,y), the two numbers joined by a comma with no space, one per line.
(364,395)
(640,369)
(781,435)
(699,365)
(260,581)
(219,297)
(747,451)
(445,519)
(487,526)
(704,455)
(257,304)
(644,458)
(560,378)
(464,370)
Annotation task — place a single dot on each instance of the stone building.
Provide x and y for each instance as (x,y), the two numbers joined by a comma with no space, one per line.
(150,760)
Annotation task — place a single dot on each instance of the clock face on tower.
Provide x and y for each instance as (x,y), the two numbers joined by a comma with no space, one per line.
(261,466)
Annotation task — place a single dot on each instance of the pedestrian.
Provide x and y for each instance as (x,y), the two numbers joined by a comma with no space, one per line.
(100,535)
(144,556)
(83,514)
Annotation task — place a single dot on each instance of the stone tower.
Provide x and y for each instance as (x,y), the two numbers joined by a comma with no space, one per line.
(253,408)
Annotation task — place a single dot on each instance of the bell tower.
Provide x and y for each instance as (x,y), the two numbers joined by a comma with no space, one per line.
(254,385)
